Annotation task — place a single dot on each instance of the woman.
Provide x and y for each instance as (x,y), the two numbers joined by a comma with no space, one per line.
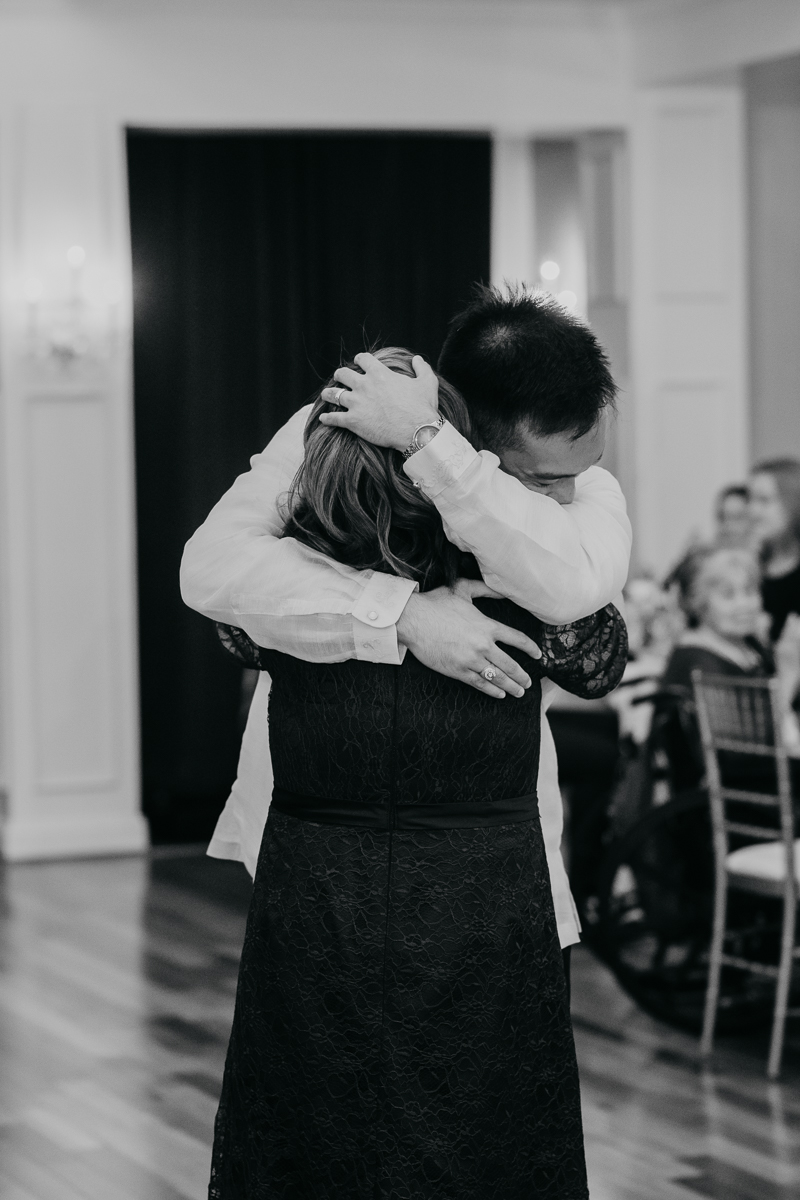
(720,596)
(775,516)
(401,1025)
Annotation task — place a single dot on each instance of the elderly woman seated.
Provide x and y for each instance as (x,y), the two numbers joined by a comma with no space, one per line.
(726,634)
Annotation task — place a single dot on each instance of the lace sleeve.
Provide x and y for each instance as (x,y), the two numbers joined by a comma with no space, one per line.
(237,643)
(587,657)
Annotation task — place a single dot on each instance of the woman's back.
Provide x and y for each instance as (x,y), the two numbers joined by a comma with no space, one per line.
(401,1023)
(376,733)
(379,734)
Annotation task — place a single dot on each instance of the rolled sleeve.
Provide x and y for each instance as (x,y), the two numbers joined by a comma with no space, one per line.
(375,617)
(561,562)
(439,464)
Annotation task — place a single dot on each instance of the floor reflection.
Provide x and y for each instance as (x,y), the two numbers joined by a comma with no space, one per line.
(117,982)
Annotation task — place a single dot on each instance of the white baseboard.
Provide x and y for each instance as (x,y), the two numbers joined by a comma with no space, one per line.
(73,837)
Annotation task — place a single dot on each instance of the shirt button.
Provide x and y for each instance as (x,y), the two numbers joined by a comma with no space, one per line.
(373,616)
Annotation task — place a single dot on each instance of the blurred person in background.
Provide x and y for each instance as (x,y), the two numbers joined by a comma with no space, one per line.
(718,613)
(655,621)
(733,530)
(775,517)
(593,737)
(732,512)
(719,591)
(720,594)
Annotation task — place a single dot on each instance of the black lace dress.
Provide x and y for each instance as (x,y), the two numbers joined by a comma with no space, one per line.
(401,1028)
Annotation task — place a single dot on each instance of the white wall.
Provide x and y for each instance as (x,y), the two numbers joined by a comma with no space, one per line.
(773,105)
(451,64)
(688,312)
(682,41)
(68,617)
(605,189)
(514,250)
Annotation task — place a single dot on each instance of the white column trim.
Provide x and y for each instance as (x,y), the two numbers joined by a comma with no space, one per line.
(67,612)
(688,312)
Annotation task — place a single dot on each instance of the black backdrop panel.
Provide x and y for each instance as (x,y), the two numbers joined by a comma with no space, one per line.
(258,260)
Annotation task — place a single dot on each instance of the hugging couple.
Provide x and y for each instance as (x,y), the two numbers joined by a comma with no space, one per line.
(413,563)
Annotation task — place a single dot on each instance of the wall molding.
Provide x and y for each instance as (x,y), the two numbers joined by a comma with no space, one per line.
(69,705)
(688,313)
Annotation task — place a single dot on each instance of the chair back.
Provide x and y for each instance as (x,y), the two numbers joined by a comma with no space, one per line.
(742,716)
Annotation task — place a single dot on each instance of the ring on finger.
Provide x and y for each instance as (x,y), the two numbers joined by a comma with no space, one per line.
(338,397)
(489,674)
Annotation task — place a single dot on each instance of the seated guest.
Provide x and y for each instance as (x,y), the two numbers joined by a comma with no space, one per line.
(719,592)
(775,516)
(653,619)
(733,531)
(732,512)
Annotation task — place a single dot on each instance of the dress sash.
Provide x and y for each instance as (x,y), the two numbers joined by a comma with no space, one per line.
(381,815)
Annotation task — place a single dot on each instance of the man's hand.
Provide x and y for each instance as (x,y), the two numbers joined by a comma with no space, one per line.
(445,631)
(381,406)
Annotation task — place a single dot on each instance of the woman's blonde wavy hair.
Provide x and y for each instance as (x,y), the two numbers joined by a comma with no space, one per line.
(353,501)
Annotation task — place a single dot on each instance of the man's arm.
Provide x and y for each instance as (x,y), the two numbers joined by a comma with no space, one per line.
(238,570)
(561,562)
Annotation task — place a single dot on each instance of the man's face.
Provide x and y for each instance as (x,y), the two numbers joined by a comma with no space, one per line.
(551,463)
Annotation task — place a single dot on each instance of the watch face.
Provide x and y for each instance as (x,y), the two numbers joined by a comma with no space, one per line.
(426,433)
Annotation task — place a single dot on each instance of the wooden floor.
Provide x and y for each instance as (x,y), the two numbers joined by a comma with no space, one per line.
(117,981)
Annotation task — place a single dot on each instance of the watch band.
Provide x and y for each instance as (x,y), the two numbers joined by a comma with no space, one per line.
(414,444)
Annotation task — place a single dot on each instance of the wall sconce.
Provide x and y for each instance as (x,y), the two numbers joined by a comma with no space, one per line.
(68,325)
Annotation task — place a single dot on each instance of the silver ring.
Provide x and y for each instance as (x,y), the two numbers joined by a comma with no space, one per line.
(339,393)
(489,674)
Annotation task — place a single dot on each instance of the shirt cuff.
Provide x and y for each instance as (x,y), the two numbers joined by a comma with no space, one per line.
(441,462)
(375,618)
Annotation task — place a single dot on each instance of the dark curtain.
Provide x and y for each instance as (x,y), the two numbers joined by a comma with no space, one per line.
(259,259)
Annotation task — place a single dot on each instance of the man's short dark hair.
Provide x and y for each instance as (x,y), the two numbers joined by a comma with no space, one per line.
(520,359)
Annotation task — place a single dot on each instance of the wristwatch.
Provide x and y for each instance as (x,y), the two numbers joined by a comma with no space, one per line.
(421,438)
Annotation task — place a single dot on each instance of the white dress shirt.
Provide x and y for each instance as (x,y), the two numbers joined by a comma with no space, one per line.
(559,562)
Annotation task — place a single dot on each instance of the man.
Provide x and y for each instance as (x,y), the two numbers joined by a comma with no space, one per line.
(547,526)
